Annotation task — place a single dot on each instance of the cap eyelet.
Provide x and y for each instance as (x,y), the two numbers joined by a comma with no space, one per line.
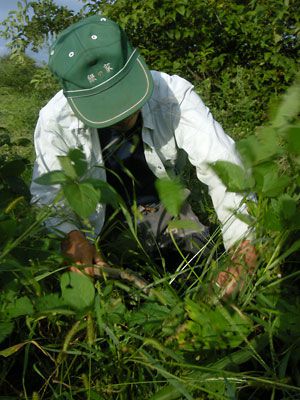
(102,19)
(71,54)
(94,37)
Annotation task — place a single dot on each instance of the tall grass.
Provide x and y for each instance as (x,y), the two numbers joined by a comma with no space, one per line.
(66,336)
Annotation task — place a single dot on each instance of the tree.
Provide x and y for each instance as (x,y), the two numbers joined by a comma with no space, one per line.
(33,24)
(238,53)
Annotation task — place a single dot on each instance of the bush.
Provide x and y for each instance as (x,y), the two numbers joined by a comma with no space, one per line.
(16,76)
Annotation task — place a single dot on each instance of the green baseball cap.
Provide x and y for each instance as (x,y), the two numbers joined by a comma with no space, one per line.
(104,78)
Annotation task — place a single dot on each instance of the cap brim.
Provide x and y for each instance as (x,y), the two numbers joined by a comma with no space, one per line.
(117,102)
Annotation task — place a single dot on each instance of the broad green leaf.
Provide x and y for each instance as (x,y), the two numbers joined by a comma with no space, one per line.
(233,176)
(274,185)
(271,219)
(108,195)
(82,197)
(287,207)
(68,166)
(50,302)
(261,148)
(77,290)
(52,178)
(21,306)
(171,194)
(180,9)
(268,182)
(79,161)
(260,171)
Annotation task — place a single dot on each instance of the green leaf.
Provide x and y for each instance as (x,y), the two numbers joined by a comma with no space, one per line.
(108,194)
(21,306)
(184,224)
(246,218)
(77,290)
(233,176)
(11,350)
(289,107)
(271,219)
(180,9)
(274,185)
(82,198)
(68,166)
(79,161)
(52,178)
(171,194)
(149,317)
(260,148)
(6,329)
(51,302)
(267,180)
(287,207)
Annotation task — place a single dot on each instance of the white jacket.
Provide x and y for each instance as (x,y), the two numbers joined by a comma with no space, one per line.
(174,118)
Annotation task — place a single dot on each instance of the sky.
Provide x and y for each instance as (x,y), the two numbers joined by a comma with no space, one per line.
(8,5)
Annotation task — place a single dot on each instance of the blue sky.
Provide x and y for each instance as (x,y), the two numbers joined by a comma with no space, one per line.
(7,5)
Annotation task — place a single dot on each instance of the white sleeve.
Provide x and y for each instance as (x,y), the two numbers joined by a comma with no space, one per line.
(204,140)
(49,143)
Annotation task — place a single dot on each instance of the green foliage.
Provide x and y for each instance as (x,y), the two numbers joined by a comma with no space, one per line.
(77,290)
(274,169)
(66,336)
(82,193)
(235,177)
(32,24)
(19,107)
(214,328)
(16,76)
(238,61)
(44,83)
(171,194)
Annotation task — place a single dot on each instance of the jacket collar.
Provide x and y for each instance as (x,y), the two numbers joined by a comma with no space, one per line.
(147,117)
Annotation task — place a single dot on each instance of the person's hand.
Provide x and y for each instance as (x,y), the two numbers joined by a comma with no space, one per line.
(82,252)
(244,261)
